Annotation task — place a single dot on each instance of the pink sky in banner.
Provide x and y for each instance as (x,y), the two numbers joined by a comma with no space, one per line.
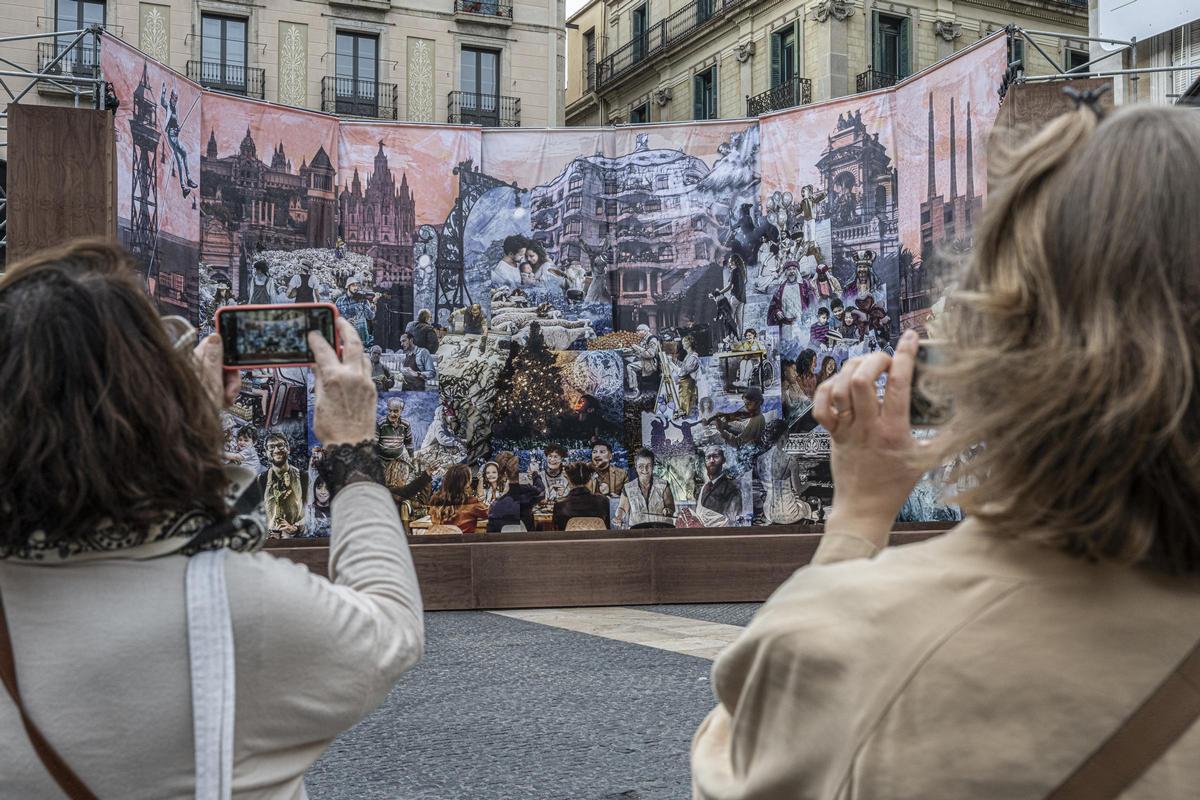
(425,153)
(699,139)
(793,143)
(125,66)
(301,133)
(974,77)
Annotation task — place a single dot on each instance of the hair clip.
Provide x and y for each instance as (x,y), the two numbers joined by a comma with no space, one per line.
(1088,97)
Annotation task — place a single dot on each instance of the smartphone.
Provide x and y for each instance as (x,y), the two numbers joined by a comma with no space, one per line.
(922,411)
(274,336)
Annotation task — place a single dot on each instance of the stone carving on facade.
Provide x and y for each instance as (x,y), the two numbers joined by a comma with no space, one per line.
(839,10)
(744,51)
(154,40)
(949,31)
(664,96)
(293,66)
(420,80)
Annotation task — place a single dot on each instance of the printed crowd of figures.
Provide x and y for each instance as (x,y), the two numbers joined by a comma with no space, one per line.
(527,409)
(635,335)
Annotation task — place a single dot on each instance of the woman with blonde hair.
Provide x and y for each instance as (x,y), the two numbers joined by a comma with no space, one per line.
(1045,646)
(491,484)
(455,504)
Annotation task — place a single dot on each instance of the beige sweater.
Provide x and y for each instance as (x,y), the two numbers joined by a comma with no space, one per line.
(961,667)
(102,659)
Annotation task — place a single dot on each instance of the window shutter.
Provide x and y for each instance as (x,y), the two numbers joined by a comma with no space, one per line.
(697,97)
(1186,52)
(905,48)
(798,64)
(776,59)
(876,42)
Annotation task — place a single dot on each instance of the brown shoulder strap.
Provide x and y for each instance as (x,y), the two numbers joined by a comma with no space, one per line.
(67,780)
(1169,711)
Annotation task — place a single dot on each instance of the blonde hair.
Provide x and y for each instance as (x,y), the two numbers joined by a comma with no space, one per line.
(1073,341)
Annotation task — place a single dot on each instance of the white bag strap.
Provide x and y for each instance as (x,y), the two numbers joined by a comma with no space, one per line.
(210,648)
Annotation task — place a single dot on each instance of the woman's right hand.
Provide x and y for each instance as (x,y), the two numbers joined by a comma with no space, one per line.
(345,393)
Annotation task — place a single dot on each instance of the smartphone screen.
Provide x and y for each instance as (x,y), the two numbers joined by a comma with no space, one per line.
(923,412)
(273,336)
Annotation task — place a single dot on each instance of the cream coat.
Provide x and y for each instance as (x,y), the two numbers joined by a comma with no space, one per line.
(102,659)
(962,667)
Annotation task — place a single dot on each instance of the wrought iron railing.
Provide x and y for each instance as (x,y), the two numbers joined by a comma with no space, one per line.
(796,92)
(487,8)
(488,110)
(873,79)
(225,77)
(83,61)
(673,30)
(358,98)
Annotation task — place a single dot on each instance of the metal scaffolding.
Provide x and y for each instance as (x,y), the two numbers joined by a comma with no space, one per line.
(17,80)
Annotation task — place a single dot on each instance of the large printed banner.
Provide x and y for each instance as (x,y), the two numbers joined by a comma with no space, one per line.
(656,303)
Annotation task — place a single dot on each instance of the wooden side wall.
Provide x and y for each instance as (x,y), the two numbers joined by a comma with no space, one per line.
(61,176)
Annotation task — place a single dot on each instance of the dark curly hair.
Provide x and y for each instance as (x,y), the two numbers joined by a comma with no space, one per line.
(103,418)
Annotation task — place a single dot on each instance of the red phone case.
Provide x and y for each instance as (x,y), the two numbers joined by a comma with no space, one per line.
(337,342)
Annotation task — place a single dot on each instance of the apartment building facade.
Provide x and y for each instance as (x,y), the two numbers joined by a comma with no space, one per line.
(486,62)
(1167,46)
(664,60)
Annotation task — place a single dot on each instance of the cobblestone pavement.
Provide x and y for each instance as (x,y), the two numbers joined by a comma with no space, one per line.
(505,709)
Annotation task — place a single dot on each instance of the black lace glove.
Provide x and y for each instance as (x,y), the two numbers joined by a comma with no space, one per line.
(344,464)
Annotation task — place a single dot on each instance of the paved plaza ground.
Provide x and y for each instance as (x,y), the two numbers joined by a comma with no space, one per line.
(544,704)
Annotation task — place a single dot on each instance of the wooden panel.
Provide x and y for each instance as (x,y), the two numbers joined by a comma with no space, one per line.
(563,573)
(444,575)
(60,176)
(629,570)
(731,569)
(1029,106)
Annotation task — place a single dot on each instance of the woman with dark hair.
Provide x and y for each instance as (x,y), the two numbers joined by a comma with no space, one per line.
(1047,646)
(118,553)
(491,484)
(538,265)
(828,369)
(455,503)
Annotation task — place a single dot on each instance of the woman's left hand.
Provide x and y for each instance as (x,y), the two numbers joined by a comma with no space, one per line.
(222,385)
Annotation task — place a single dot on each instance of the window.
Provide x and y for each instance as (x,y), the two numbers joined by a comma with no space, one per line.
(610,208)
(640,18)
(1016,54)
(576,182)
(573,228)
(662,182)
(574,203)
(356,66)
(1076,59)
(633,280)
(599,208)
(704,10)
(479,82)
(611,186)
(1185,51)
(640,115)
(704,94)
(223,53)
(74,15)
(783,56)
(589,59)
(652,205)
(891,37)
(702,250)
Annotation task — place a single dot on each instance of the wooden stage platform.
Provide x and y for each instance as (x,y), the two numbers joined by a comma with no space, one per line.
(602,568)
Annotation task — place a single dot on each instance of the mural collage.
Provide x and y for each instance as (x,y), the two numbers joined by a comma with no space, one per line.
(626,324)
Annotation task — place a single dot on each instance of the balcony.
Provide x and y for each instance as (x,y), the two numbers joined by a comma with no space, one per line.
(231,78)
(496,10)
(358,98)
(873,79)
(81,61)
(488,110)
(663,35)
(796,92)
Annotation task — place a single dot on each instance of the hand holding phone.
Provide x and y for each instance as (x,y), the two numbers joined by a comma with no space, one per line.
(923,412)
(256,337)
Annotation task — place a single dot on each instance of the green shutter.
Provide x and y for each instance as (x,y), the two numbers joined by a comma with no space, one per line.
(876,42)
(697,97)
(796,65)
(905,48)
(776,59)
